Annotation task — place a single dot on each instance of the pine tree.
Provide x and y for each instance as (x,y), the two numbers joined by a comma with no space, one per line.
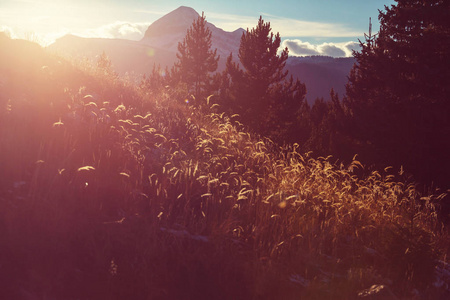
(258,54)
(104,65)
(259,92)
(328,135)
(196,60)
(398,92)
(154,82)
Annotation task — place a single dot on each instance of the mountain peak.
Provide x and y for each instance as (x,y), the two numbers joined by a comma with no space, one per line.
(169,30)
(185,10)
(178,20)
(183,14)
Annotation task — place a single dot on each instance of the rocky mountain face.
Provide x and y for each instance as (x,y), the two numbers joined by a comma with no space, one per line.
(159,47)
(166,32)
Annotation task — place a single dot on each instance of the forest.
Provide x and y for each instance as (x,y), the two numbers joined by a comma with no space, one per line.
(196,184)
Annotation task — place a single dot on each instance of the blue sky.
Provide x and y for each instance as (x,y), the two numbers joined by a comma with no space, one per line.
(307,24)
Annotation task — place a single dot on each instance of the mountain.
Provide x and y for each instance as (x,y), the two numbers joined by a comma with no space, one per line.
(126,56)
(320,74)
(167,31)
(160,42)
(158,46)
(170,28)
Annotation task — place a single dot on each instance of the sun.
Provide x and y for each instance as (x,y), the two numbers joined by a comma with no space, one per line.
(44,21)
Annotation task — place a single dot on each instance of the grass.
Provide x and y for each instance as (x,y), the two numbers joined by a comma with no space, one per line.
(109,191)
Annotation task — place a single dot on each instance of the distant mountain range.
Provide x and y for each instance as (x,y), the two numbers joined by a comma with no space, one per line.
(320,74)
(160,42)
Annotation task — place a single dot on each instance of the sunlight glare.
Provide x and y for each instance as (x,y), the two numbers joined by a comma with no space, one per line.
(45,21)
(151,52)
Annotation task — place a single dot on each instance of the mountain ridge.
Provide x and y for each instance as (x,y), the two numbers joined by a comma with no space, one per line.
(159,46)
(170,29)
(183,16)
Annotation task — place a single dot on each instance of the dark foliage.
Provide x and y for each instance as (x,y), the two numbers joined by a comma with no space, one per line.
(398,92)
(196,60)
(259,91)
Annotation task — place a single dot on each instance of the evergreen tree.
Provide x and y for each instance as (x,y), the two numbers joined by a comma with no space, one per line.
(104,65)
(259,92)
(398,92)
(288,119)
(328,129)
(196,60)
(156,80)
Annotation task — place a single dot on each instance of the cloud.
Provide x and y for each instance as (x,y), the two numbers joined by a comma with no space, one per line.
(350,46)
(17,33)
(299,48)
(118,30)
(8,31)
(331,50)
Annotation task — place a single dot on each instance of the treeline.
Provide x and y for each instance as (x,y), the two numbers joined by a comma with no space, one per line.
(396,108)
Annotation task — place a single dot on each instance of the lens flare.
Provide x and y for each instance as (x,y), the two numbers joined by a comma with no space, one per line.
(151,52)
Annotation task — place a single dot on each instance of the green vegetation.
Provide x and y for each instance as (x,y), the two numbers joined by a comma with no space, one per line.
(196,60)
(259,92)
(403,80)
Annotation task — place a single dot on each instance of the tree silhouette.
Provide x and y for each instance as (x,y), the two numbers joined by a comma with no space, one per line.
(105,66)
(259,92)
(398,90)
(155,81)
(196,59)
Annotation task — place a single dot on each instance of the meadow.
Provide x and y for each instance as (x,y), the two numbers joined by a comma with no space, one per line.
(112,191)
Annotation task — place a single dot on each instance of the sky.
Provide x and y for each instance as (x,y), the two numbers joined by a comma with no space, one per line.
(307,27)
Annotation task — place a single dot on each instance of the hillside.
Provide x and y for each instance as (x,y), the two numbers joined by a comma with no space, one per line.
(108,192)
(127,56)
(321,74)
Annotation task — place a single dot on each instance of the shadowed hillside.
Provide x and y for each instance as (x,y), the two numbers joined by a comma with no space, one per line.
(321,74)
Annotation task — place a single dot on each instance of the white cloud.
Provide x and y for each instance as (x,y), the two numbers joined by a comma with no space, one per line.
(350,46)
(118,30)
(331,50)
(8,31)
(299,48)
(17,33)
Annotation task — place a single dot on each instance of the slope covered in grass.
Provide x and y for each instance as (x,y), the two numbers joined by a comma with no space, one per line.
(109,191)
